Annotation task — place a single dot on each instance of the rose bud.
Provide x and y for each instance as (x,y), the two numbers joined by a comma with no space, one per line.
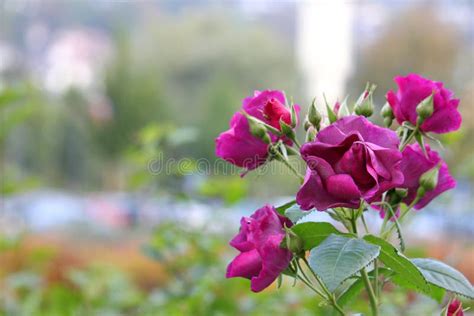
(258,130)
(364,105)
(387,111)
(294,243)
(314,117)
(412,90)
(425,109)
(455,308)
(261,258)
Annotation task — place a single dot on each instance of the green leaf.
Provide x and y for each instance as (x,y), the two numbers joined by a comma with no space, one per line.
(295,214)
(396,261)
(444,276)
(356,287)
(432,291)
(314,233)
(281,209)
(338,258)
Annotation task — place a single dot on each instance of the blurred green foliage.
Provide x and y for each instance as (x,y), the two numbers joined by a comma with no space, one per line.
(193,262)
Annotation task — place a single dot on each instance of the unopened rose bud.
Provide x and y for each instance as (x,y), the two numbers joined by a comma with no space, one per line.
(454,308)
(258,130)
(387,111)
(425,109)
(307,124)
(314,117)
(387,121)
(420,192)
(402,193)
(365,109)
(294,116)
(294,243)
(364,105)
(429,179)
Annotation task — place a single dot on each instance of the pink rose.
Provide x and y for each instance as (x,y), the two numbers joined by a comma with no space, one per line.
(261,258)
(414,164)
(350,160)
(412,89)
(237,145)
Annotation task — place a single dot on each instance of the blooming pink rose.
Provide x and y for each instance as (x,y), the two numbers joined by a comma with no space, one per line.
(261,258)
(237,145)
(350,160)
(455,308)
(414,164)
(412,89)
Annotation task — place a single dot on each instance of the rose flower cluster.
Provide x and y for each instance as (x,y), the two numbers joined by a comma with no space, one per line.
(350,161)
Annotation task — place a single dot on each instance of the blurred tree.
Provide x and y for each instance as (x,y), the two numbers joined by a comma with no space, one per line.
(209,62)
(136,98)
(416,40)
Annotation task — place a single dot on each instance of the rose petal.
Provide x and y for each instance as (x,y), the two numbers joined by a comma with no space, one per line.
(246,265)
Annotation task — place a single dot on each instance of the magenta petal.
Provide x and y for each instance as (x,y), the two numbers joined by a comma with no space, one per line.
(394,103)
(247,265)
(239,147)
(313,194)
(241,241)
(414,164)
(445,183)
(274,261)
(343,188)
(337,132)
(444,120)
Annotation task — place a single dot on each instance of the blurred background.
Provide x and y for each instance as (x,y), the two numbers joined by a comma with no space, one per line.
(112,201)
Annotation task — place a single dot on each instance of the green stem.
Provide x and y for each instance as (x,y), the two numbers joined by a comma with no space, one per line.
(330,296)
(297,143)
(389,231)
(312,287)
(409,138)
(302,271)
(376,278)
(336,306)
(286,163)
(365,278)
(370,291)
(365,224)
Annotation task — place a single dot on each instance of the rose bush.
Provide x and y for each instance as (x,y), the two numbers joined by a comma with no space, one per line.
(352,165)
